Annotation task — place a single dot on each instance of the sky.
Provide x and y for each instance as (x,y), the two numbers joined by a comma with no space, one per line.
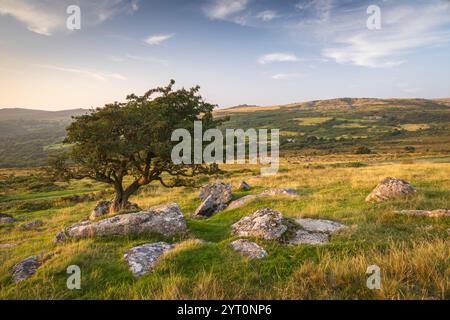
(255,52)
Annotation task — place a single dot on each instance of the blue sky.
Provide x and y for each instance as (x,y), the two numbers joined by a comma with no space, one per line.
(239,51)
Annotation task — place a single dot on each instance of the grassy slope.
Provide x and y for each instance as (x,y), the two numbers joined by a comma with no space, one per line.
(413,252)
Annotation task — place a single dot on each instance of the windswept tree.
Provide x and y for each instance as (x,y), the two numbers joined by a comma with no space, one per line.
(128,145)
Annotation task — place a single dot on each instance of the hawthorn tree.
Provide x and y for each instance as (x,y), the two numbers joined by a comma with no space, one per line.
(128,145)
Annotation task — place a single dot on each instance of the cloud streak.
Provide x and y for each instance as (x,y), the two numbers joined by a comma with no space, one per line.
(47,17)
(278,57)
(87,73)
(158,39)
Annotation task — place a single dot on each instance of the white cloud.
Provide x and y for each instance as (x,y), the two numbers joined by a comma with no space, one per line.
(224,9)
(278,57)
(47,17)
(403,31)
(87,73)
(286,76)
(267,15)
(158,39)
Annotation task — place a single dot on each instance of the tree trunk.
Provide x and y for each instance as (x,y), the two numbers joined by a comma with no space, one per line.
(120,201)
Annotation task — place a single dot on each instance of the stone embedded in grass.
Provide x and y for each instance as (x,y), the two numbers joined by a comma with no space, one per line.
(307,237)
(26,268)
(241,201)
(143,259)
(244,186)
(102,208)
(167,220)
(249,249)
(320,225)
(264,223)
(390,188)
(6,218)
(32,225)
(215,197)
(279,192)
(426,213)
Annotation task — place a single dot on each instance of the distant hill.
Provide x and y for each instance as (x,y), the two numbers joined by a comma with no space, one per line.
(330,126)
(27,136)
(39,115)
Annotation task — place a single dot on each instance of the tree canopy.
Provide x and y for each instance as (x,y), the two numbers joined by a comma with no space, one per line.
(134,139)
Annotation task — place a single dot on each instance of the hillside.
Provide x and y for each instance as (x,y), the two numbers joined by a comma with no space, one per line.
(342,125)
(315,127)
(27,135)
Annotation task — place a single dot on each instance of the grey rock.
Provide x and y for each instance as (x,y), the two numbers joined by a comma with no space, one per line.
(390,188)
(426,213)
(215,198)
(32,225)
(320,225)
(209,207)
(241,201)
(6,218)
(167,220)
(143,259)
(264,223)
(307,237)
(26,268)
(249,249)
(244,186)
(279,192)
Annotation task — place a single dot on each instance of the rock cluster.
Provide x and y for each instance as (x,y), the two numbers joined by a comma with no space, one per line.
(270,225)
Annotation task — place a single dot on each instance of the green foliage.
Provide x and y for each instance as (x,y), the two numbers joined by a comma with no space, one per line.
(134,139)
(363,150)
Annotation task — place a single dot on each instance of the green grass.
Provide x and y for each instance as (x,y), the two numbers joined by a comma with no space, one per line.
(412,252)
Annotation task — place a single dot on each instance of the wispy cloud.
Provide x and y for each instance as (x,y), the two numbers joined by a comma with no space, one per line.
(286,76)
(403,31)
(147,59)
(87,73)
(278,57)
(267,15)
(47,17)
(224,9)
(158,39)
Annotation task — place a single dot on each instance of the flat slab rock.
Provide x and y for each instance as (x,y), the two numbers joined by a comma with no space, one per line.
(264,223)
(167,220)
(390,188)
(26,268)
(426,213)
(143,259)
(249,249)
(320,225)
(308,237)
(242,201)
(279,192)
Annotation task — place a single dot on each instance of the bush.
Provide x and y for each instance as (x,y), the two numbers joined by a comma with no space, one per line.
(410,149)
(363,150)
